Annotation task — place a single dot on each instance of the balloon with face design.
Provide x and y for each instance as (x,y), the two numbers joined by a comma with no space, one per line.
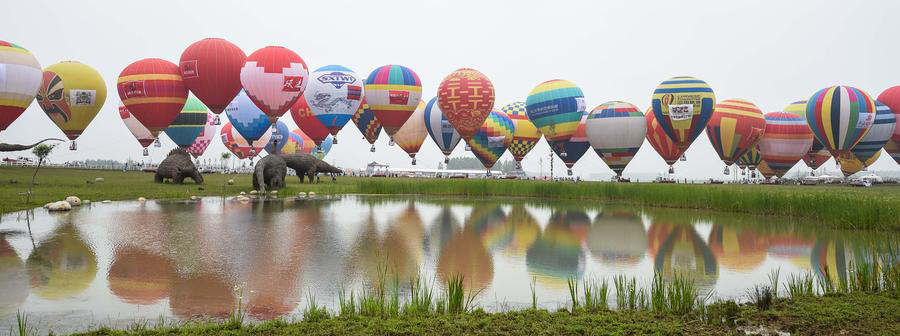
(71,94)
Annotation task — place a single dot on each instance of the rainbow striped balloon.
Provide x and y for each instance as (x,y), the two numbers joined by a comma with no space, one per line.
(526,135)
(22,76)
(785,140)
(556,108)
(661,142)
(891,98)
(188,125)
(616,131)
(683,106)
(492,139)
(393,92)
(572,150)
(751,158)
(735,128)
(839,117)
(879,134)
(817,154)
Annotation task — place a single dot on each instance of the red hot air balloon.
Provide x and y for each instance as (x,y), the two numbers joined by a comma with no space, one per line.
(466,97)
(274,78)
(153,91)
(664,146)
(211,69)
(305,119)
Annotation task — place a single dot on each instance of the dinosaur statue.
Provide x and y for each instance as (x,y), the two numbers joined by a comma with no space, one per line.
(310,166)
(178,166)
(269,173)
(5,147)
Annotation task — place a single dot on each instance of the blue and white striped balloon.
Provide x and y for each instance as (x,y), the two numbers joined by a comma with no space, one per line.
(440,129)
(879,133)
(247,118)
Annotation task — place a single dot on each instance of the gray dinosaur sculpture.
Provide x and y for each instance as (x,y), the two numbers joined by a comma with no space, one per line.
(178,166)
(308,165)
(5,147)
(269,173)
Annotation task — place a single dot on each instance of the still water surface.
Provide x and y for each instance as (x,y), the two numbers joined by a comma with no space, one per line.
(111,264)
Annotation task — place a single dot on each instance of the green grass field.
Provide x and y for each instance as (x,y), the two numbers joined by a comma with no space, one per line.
(835,206)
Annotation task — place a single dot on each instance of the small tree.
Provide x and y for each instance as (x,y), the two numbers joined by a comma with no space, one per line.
(224,157)
(42,151)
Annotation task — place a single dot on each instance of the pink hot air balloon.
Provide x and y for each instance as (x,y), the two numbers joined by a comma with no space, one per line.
(274,78)
(205,138)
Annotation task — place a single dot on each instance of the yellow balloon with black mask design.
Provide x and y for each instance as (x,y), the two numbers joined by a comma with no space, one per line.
(71,94)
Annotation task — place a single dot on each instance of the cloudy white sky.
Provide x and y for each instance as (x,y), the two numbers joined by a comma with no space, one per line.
(769,52)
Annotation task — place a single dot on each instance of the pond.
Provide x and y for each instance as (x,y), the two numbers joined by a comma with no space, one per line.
(112,264)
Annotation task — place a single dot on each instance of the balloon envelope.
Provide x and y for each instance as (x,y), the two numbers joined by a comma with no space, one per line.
(203,140)
(366,122)
(658,139)
(211,69)
(236,143)
(853,164)
(153,91)
(393,92)
(141,133)
(784,142)
(526,135)
(278,139)
(71,94)
(247,118)
(879,134)
(814,158)
(683,106)
(334,94)
(839,117)
(891,98)
(556,108)
(21,75)
(305,119)
(189,123)
(492,139)
(575,147)
(411,136)
(274,78)
(439,128)
(751,158)
(735,128)
(466,97)
(616,130)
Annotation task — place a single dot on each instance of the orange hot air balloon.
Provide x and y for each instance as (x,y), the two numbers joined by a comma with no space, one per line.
(735,128)
(153,91)
(466,97)
(661,142)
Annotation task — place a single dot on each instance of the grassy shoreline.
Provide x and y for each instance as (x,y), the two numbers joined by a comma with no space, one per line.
(876,208)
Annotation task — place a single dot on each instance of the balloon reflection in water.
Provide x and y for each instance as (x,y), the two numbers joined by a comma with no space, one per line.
(677,248)
(618,237)
(738,248)
(442,230)
(466,255)
(63,265)
(557,256)
(13,280)
(395,255)
(140,277)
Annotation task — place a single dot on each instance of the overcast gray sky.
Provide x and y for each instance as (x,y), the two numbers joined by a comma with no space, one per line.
(768,52)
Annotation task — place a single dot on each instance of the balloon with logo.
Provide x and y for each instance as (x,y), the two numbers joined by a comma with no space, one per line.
(235,142)
(660,141)
(616,131)
(734,128)
(575,147)
(198,147)
(325,147)
(334,94)
(279,138)
(852,165)
(153,91)
(440,129)
(492,139)
(141,133)
(784,142)
(411,136)
(367,124)
(556,108)
(393,92)
(879,134)
(891,98)
(189,123)
(211,69)
(839,117)
(20,79)
(751,159)
(274,78)
(526,135)
(817,154)
(305,119)
(71,94)
(683,106)
(466,97)
(247,118)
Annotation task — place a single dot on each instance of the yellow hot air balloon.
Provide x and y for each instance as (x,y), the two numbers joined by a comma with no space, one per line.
(71,93)
(851,164)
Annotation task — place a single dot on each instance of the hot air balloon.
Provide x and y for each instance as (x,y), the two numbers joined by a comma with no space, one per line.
(526,135)
(308,145)
(765,170)
(206,136)
(440,129)
(492,139)
(466,97)
(839,117)
(153,91)
(879,134)
(817,154)
(71,94)
(247,118)
(189,123)
(735,128)
(307,121)
(278,139)
(20,75)
(141,133)
(784,142)
(661,142)
(393,92)
(556,108)
(294,143)
(274,78)
(683,106)
(852,165)
(236,143)
(211,69)
(367,124)
(573,149)
(616,131)
(334,95)
(891,98)
(411,136)
(324,148)
(751,159)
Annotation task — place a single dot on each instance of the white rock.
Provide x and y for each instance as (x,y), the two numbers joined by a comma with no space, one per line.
(106,201)
(273,192)
(243,193)
(141,199)
(253,192)
(73,200)
(60,206)
(99,179)
(48,205)
(85,201)
(301,194)
(193,198)
(230,181)
(312,194)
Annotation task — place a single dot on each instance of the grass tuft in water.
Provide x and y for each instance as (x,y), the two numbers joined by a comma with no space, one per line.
(761,296)
(314,312)
(800,285)
(573,292)
(347,305)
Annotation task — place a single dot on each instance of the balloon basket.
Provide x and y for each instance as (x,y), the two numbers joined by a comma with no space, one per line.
(391,143)
(753,174)
(671,170)
(468,148)
(519,165)
(372,149)
(157,144)
(726,171)
(73,146)
(334,139)
(446,159)
(414,161)
(488,173)
(146,152)
(217,121)
(569,172)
